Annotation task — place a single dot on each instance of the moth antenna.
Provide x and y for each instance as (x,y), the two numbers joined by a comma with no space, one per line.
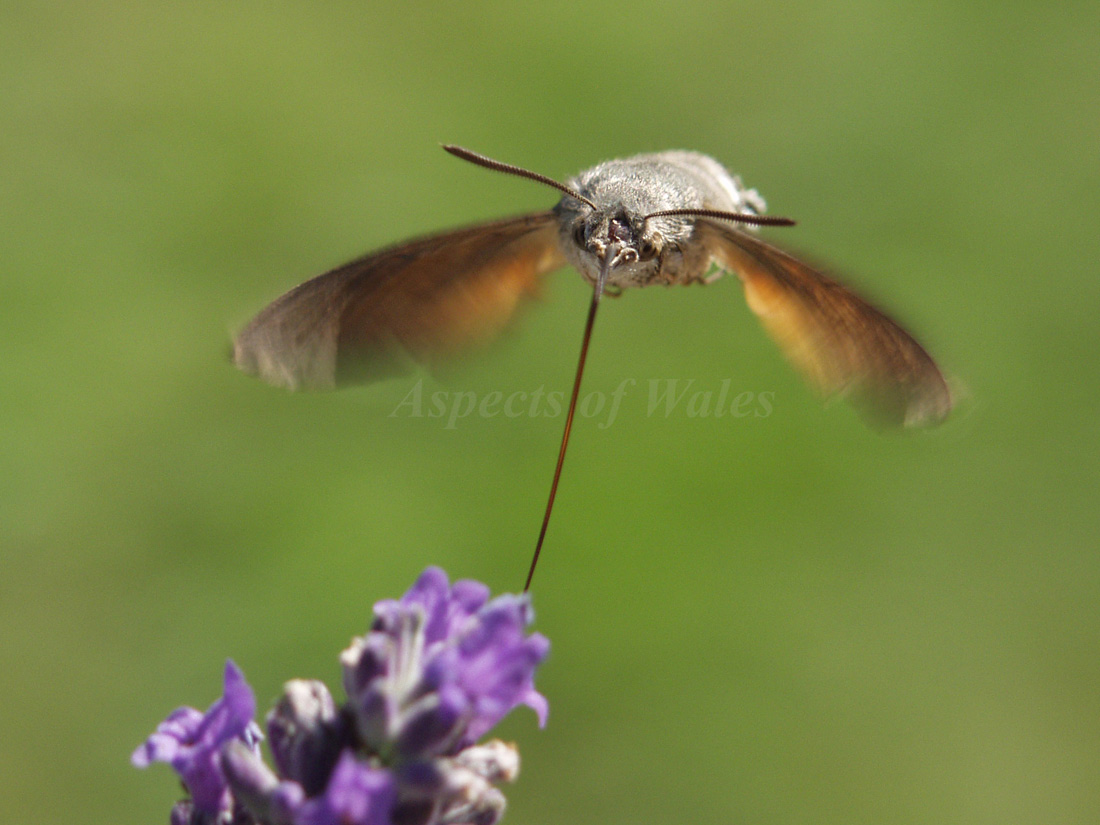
(739,217)
(518,171)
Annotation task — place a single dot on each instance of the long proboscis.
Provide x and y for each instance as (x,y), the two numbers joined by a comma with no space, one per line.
(597,292)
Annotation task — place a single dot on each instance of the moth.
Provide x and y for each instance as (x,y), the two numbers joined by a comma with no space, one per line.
(665,218)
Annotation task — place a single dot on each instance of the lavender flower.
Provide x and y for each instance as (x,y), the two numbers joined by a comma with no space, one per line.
(441,666)
(191,742)
(437,670)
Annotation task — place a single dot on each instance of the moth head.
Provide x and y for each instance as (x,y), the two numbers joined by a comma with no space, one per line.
(594,232)
(631,242)
(589,235)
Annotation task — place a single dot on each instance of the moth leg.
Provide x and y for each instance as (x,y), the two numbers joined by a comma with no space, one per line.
(712,274)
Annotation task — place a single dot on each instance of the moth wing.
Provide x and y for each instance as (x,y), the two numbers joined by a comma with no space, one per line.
(840,342)
(426,299)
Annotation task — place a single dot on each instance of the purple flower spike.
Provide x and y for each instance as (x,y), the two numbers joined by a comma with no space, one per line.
(191,741)
(440,667)
(494,665)
(356,795)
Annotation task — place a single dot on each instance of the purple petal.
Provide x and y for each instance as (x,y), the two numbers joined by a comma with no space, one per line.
(537,702)
(230,715)
(190,742)
(285,801)
(356,795)
(163,745)
(494,664)
(429,590)
(434,728)
(467,597)
(431,593)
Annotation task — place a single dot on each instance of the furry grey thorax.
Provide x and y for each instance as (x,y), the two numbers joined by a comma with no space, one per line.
(624,192)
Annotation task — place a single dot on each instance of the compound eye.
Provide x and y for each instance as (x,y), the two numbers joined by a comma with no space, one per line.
(647,250)
(579,237)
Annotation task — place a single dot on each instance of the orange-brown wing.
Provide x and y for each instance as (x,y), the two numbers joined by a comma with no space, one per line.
(425,298)
(840,342)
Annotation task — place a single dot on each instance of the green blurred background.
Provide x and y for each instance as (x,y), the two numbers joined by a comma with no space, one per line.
(763,620)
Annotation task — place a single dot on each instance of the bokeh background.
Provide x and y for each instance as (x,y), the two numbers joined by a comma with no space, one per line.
(774,619)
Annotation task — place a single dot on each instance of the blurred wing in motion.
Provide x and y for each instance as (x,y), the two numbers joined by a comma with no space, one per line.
(425,298)
(837,340)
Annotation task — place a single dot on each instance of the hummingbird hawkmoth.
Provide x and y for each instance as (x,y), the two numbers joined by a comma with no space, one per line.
(663,218)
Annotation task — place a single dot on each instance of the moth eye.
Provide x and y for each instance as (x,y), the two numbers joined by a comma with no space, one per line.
(579,235)
(647,249)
